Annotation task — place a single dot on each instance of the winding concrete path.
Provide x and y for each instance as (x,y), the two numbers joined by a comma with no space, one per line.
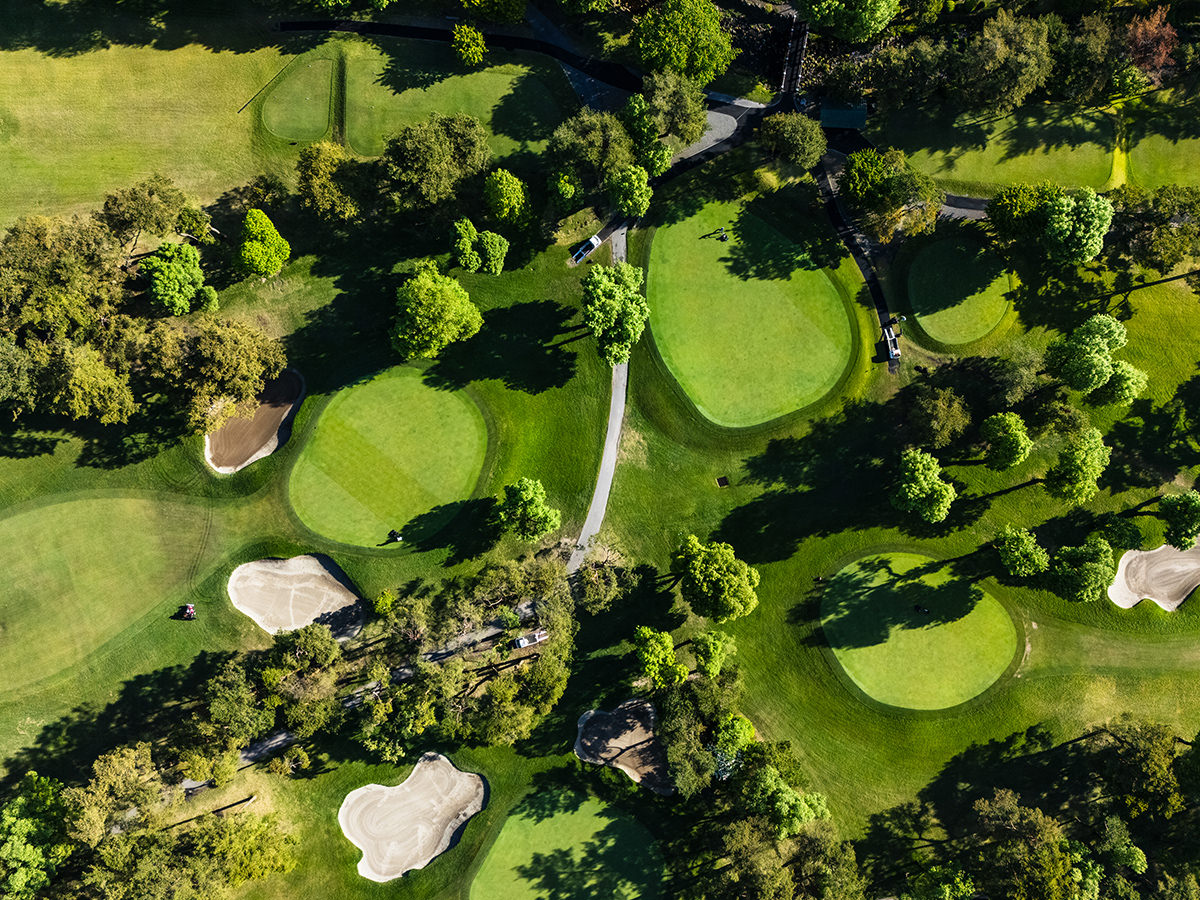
(612,438)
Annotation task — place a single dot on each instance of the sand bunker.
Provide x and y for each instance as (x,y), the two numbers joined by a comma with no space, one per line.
(624,739)
(404,827)
(1166,576)
(286,594)
(240,442)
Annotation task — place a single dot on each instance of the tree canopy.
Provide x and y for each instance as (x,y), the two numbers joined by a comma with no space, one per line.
(524,511)
(630,192)
(794,137)
(890,194)
(433,312)
(614,309)
(656,654)
(263,251)
(1020,553)
(1181,516)
(1080,463)
(714,581)
(919,487)
(175,277)
(851,20)
(1083,573)
(686,37)
(676,105)
(426,162)
(1007,439)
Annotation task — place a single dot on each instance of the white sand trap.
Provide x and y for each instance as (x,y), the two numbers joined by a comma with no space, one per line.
(625,740)
(1166,576)
(404,827)
(286,594)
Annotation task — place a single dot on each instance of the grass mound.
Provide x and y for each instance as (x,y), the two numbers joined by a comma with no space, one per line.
(956,290)
(385,451)
(909,635)
(298,106)
(559,843)
(750,330)
(395,83)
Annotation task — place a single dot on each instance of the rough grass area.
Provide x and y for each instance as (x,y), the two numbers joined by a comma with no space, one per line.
(392,83)
(566,842)
(957,290)
(298,103)
(908,634)
(384,452)
(979,155)
(1164,138)
(752,328)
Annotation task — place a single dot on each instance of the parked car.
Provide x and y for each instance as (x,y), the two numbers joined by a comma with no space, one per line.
(528,640)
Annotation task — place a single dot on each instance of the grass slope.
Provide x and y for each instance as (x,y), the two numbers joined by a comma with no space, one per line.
(901,656)
(384,452)
(566,842)
(748,343)
(957,291)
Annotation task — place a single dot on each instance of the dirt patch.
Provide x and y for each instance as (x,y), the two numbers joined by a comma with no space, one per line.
(1165,576)
(286,594)
(625,740)
(402,828)
(241,441)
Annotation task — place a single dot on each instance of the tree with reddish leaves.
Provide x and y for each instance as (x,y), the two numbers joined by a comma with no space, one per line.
(1151,39)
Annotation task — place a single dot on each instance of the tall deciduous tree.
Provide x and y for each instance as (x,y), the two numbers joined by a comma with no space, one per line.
(1007,439)
(765,793)
(1124,385)
(81,384)
(1181,514)
(33,837)
(686,37)
(937,416)
(891,195)
(656,655)
(263,251)
(1076,226)
(175,276)
(434,311)
(1020,553)
(1073,477)
(524,511)
(711,649)
(591,145)
(614,309)
(676,106)
(151,207)
(1005,62)
(1151,41)
(324,181)
(919,487)
(851,20)
(629,191)
(1142,774)
(505,196)
(1082,574)
(1022,852)
(714,581)
(227,366)
(468,45)
(427,161)
(794,137)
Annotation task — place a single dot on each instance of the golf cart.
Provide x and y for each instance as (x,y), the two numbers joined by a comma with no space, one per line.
(189,612)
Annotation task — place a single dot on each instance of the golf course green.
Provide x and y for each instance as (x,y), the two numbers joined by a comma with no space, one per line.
(298,105)
(957,290)
(384,451)
(749,347)
(910,635)
(567,842)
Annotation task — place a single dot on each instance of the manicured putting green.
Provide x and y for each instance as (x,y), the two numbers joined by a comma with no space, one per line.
(956,290)
(402,82)
(385,451)
(297,108)
(745,349)
(910,635)
(564,845)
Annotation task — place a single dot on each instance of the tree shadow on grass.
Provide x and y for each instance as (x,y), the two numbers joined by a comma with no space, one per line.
(970,270)
(863,610)
(551,793)
(523,113)
(609,864)
(783,232)
(469,529)
(412,65)
(521,345)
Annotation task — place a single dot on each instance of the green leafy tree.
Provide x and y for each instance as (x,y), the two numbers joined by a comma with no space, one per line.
(33,837)
(685,36)
(426,162)
(524,511)
(325,174)
(175,276)
(1083,360)
(1151,40)
(495,251)
(505,196)
(890,195)
(656,655)
(465,239)
(765,793)
(433,312)
(1004,63)
(649,152)
(614,309)
(629,191)
(1007,439)
(125,790)
(1023,853)
(1118,846)
(1142,772)
(80,384)
(233,712)
(1073,477)
(496,10)
(590,146)
(714,581)
(1082,574)
(17,385)
(1020,553)
(1181,516)
(564,188)
(242,848)
(937,416)
(734,733)
(1076,226)
(850,20)
(940,883)
(794,137)
(227,366)
(1124,385)
(711,649)
(468,45)
(1018,213)
(148,207)
(1158,229)
(263,251)
(676,106)
(919,487)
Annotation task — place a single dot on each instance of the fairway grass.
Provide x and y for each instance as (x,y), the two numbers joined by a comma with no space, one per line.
(572,843)
(384,452)
(745,349)
(957,291)
(298,104)
(979,155)
(908,635)
(391,84)
(1164,145)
